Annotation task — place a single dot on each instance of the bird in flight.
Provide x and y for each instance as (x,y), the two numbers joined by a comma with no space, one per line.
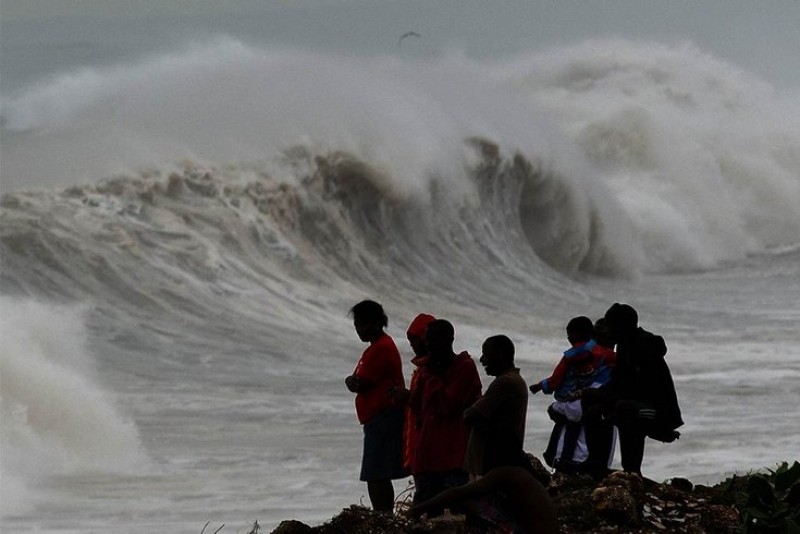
(407,34)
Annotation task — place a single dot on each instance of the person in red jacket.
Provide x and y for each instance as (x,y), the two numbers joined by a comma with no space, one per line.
(448,384)
(416,338)
(377,374)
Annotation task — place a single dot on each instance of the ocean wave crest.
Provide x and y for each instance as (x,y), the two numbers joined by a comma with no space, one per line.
(153,239)
(609,157)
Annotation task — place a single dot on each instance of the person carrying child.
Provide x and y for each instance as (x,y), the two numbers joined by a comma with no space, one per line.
(640,397)
(600,433)
(576,371)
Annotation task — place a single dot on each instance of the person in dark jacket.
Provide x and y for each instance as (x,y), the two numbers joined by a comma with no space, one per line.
(640,397)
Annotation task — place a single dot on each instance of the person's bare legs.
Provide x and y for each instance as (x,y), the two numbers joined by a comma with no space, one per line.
(381,494)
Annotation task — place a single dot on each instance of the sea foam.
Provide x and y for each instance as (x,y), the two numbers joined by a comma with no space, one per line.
(697,158)
(56,417)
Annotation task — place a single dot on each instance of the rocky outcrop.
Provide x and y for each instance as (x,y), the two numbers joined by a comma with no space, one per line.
(622,503)
(627,503)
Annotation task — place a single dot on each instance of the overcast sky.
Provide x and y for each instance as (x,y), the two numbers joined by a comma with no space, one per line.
(39,35)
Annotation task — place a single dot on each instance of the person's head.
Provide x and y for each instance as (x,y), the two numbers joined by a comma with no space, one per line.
(369,320)
(439,338)
(497,355)
(416,333)
(622,321)
(602,335)
(579,329)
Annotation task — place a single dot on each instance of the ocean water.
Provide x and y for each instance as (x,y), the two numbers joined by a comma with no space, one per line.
(182,236)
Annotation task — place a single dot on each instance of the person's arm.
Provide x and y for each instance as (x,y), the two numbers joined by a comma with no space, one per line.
(454,496)
(358,384)
(555,380)
(473,417)
(484,408)
(373,366)
(353,383)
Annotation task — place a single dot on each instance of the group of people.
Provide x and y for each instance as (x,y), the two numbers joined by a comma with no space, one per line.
(613,377)
(464,446)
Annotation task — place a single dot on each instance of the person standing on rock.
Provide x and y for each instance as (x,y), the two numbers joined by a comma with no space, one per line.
(600,433)
(413,418)
(448,383)
(640,396)
(377,375)
(575,371)
(497,419)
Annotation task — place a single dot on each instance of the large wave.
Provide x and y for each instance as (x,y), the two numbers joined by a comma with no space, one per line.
(607,158)
(216,205)
(150,241)
(702,156)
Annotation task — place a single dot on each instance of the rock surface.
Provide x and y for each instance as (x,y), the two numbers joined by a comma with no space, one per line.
(621,503)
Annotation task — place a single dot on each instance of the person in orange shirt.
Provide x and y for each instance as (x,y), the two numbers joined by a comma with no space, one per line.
(377,375)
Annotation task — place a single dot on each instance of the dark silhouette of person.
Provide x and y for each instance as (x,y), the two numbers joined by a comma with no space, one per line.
(378,373)
(508,497)
(416,339)
(497,419)
(575,371)
(448,383)
(640,396)
(599,432)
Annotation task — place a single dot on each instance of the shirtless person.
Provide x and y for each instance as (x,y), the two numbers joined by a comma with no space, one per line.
(514,493)
(497,420)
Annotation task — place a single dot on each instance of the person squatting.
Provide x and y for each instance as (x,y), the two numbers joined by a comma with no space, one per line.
(464,446)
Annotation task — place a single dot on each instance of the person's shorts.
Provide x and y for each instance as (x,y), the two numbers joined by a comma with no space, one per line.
(383,447)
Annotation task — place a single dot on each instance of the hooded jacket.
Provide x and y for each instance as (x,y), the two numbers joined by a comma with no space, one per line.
(440,401)
(413,421)
(641,374)
(419,326)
